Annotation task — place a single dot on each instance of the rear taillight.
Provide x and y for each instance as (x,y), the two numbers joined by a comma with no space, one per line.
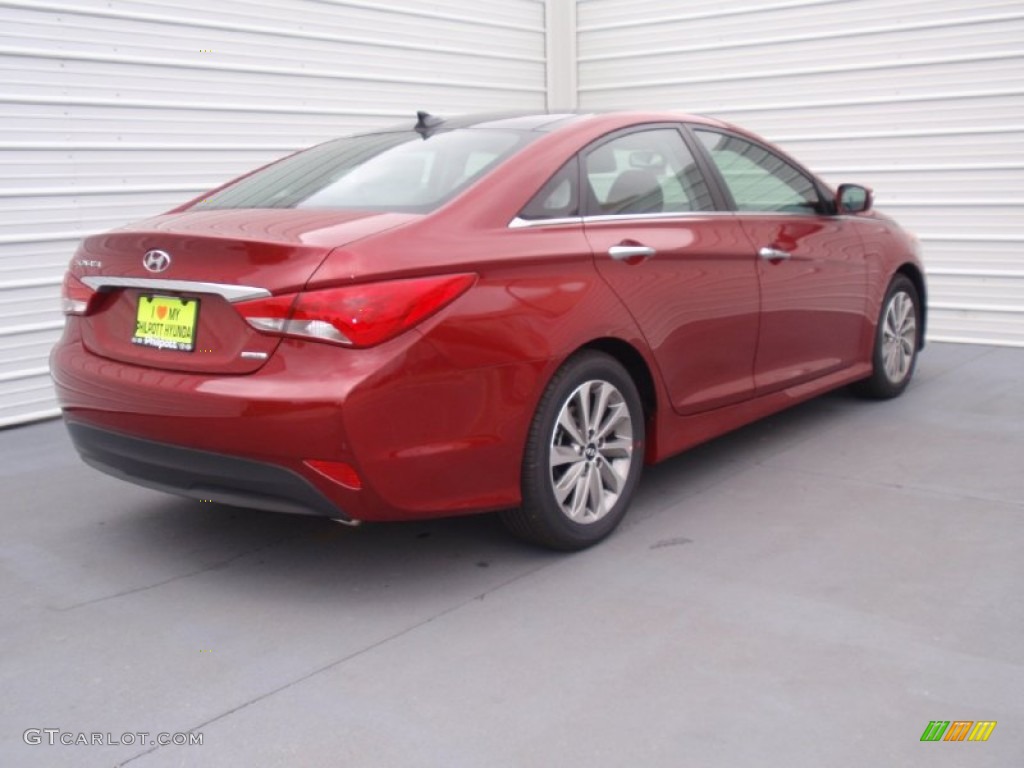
(355,315)
(75,296)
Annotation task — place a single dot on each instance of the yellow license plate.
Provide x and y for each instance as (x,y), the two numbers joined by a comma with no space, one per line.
(166,322)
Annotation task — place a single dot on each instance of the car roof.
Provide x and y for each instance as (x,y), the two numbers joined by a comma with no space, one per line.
(544,121)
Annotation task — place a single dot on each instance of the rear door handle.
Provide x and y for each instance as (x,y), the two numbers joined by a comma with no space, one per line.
(626,252)
(772,254)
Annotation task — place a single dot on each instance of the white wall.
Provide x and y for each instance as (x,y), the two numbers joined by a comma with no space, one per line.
(113,111)
(110,111)
(921,99)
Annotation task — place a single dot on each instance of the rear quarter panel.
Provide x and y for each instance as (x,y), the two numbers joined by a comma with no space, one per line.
(450,426)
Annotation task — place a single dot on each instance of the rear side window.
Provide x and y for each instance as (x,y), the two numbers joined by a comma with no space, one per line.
(559,198)
(759,180)
(401,172)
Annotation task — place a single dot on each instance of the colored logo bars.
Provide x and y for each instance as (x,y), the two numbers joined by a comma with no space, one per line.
(958,730)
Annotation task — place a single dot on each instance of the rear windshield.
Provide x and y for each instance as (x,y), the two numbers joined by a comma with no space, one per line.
(401,172)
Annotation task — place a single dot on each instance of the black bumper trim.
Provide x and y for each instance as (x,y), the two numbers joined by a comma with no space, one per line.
(199,474)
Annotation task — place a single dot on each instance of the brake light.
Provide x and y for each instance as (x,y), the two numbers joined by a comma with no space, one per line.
(75,296)
(356,315)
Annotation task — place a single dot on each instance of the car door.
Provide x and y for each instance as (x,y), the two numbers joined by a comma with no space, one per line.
(678,262)
(810,264)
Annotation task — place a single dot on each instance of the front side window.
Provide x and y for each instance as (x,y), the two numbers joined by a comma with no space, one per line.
(649,171)
(401,172)
(759,180)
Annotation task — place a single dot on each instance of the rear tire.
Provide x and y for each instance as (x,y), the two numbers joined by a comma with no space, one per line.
(896,342)
(584,455)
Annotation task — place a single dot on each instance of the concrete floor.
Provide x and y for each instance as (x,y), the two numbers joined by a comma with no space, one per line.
(810,591)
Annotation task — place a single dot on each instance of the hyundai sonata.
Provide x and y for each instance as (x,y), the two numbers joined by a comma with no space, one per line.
(490,313)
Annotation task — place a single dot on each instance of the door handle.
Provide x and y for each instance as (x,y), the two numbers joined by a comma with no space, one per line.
(627,252)
(773,254)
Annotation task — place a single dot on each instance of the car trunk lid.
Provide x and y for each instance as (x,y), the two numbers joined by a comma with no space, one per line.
(167,285)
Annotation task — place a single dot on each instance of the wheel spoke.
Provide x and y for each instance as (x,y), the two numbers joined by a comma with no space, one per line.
(899,311)
(618,448)
(582,490)
(596,492)
(613,481)
(615,415)
(583,416)
(909,328)
(564,454)
(890,322)
(604,394)
(569,481)
(568,423)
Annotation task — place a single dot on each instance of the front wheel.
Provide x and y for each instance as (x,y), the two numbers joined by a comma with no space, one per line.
(583,455)
(896,342)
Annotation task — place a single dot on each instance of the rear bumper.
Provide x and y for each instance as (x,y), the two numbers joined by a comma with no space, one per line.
(425,439)
(199,474)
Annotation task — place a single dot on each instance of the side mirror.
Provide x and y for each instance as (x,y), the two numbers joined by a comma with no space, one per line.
(853,198)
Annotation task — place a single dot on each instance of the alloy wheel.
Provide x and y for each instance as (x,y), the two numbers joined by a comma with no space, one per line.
(899,337)
(591,451)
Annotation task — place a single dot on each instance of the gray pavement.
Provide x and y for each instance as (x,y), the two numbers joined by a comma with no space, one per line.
(809,591)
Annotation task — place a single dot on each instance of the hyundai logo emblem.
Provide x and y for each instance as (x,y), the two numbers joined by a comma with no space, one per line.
(156,261)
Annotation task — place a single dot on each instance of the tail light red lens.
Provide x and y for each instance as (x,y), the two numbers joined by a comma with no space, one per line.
(75,296)
(356,315)
(338,472)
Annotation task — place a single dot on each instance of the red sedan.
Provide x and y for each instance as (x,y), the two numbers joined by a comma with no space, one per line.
(480,314)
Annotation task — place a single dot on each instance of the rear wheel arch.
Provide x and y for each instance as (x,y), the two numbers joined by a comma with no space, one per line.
(640,370)
(629,357)
(643,376)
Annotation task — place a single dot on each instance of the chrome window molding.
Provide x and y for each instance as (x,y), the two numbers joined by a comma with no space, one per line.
(518,223)
(230,292)
(801,214)
(596,219)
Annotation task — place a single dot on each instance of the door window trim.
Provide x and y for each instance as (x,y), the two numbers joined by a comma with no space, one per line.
(721,197)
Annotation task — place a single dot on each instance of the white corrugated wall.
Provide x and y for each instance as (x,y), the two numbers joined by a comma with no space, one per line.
(111,111)
(921,99)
